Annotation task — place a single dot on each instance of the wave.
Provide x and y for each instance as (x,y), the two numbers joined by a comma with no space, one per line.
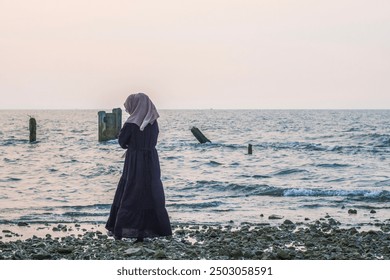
(85,214)
(196,205)
(101,171)
(274,146)
(381,141)
(383,183)
(94,206)
(13,142)
(256,176)
(293,146)
(332,165)
(62,214)
(10,179)
(214,163)
(237,190)
(357,194)
(289,171)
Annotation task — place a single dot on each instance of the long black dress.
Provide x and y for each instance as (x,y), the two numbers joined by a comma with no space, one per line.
(138,209)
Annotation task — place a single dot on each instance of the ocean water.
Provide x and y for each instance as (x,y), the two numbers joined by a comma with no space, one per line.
(306,164)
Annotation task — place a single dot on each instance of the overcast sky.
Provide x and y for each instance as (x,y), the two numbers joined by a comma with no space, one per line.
(245,54)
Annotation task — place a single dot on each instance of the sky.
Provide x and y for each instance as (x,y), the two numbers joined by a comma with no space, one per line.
(195,54)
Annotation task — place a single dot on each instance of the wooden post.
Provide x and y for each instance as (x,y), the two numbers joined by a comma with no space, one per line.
(33,129)
(199,135)
(249,149)
(109,124)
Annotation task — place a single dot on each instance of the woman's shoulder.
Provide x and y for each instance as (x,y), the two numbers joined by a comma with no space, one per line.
(130,125)
(133,126)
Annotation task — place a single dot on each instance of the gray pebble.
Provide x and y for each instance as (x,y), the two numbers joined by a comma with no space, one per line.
(352,211)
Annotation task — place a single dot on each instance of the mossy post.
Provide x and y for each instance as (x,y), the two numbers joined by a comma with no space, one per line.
(33,129)
(199,135)
(109,124)
(118,120)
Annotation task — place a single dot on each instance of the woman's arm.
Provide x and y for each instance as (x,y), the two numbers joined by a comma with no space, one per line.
(124,136)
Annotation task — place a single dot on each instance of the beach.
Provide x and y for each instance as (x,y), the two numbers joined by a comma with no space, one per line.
(322,239)
(304,164)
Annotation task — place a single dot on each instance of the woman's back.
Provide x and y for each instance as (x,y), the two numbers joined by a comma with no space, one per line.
(132,138)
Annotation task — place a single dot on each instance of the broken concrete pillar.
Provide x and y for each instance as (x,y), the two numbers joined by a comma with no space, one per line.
(109,124)
(199,135)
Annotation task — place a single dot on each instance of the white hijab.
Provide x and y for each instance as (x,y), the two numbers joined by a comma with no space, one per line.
(141,109)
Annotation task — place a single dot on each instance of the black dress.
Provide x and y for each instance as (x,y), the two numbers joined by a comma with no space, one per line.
(138,209)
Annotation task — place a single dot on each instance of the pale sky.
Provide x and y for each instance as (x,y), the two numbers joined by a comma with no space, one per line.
(222,54)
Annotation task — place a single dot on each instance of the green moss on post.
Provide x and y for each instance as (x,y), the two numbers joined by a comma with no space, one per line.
(109,124)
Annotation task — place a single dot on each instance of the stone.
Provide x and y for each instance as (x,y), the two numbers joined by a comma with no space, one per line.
(288,222)
(275,217)
(41,256)
(65,250)
(180,231)
(39,245)
(134,251)
(160,254)
(352,211)
(149,251)
(236,253)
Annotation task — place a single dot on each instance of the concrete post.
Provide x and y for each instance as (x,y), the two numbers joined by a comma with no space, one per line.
(109,124)
(199,135)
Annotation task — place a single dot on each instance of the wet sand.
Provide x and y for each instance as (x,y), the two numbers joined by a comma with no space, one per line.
(322,239)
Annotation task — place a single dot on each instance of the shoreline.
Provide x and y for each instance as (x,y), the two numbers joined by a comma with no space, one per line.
(321,239)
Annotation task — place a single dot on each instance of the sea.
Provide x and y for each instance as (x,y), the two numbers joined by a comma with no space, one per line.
(305,165)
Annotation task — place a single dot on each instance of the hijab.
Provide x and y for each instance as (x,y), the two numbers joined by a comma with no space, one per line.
(141,109)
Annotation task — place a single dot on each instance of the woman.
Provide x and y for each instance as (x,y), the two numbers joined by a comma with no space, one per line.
(138,209)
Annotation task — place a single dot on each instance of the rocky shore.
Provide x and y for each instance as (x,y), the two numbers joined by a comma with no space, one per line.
(324,239)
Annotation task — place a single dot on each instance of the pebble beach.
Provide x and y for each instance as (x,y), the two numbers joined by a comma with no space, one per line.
(322,239)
